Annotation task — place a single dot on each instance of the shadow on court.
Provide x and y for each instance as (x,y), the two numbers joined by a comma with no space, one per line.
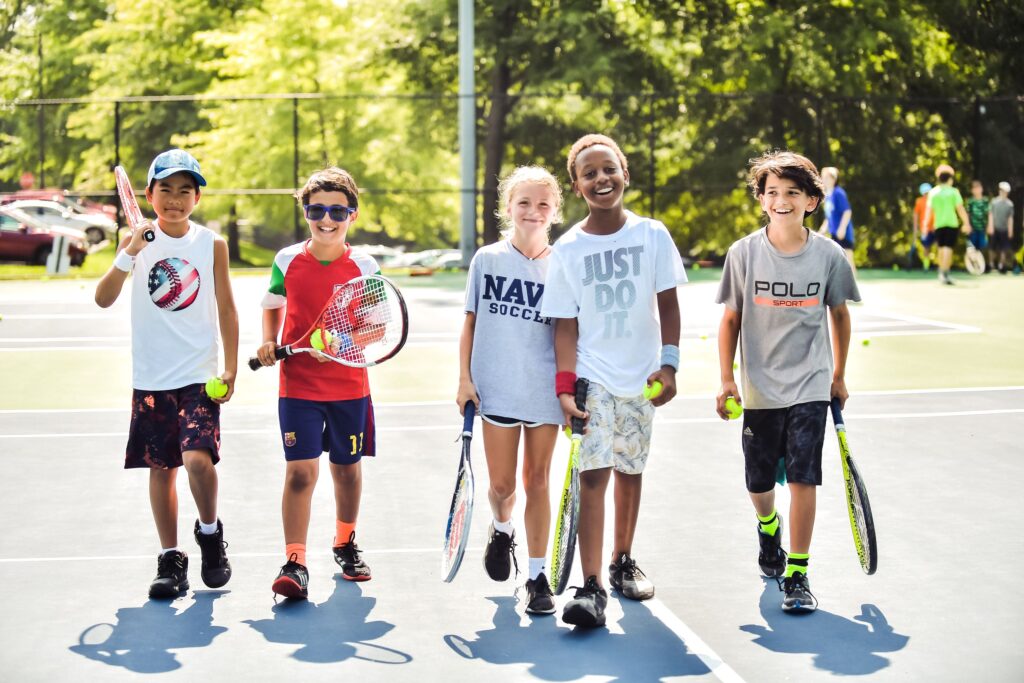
(334,630)
(646,650)
(839,645)
(143,637)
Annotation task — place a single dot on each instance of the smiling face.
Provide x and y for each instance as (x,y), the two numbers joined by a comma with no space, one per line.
(785,202)
(329,235)
(600,178)
(173,199)
(532,207)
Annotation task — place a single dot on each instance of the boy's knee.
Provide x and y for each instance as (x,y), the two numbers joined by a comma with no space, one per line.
(300,479)
(196,461)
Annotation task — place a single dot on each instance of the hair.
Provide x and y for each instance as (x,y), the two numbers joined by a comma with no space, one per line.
(788,165)
(535,175)
(945,177)
(592,140)
(192,179)
(977,182)
(330,179)
(832,172)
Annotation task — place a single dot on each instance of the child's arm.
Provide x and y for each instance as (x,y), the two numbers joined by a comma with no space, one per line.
(965,222)
(844,222)
(991,225)
(227,316)
(272,319)
(728,337)
(668,312)
(840,349)
(109,286)
(567,333)
(467,390)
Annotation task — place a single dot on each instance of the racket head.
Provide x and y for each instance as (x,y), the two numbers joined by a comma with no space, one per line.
(862,523)
(130,206)
(460,513)
(566,523)
(974,260)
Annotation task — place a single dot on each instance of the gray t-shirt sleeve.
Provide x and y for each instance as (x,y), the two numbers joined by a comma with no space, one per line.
(841,285)
(730,288)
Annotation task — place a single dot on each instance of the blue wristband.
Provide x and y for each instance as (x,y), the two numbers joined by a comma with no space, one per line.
(670,356)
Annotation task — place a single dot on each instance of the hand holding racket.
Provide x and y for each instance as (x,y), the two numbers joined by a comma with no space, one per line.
(861,521)
(132,212)
(460,514)
(569,506)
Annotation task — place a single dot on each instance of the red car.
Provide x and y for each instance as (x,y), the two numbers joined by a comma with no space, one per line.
(26,238)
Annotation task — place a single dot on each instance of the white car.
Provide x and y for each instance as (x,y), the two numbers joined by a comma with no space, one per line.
(97,228)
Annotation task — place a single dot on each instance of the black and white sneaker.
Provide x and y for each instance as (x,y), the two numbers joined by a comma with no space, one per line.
(587,606)
(293,580)
(350,560)
(171,576)
(216,570)
(500,554)
(772,558)
(540,598)
(798,594)
(627,578)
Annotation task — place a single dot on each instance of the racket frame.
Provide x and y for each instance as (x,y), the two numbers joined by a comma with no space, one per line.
(567,521)
(862,523)
(458,527)
(130,205)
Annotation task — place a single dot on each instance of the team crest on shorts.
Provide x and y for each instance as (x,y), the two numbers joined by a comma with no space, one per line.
(289,439)
(173,284)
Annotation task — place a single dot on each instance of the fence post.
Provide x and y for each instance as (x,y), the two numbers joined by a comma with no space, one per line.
(297,228)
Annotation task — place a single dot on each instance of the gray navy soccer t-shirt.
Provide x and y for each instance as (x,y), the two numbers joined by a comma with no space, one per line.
(513,359)
(783,299)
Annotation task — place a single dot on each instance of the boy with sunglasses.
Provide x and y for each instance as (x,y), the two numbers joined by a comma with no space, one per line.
(320,408)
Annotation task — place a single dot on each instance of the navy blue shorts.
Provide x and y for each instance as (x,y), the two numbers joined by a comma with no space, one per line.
(344,429)
(794,434)
(978,239)
(845,243)
(165,424)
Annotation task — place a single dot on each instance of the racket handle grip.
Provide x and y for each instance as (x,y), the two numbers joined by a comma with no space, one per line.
(581,403)
(280,353)
(837,415)
(468,413)
(149,235)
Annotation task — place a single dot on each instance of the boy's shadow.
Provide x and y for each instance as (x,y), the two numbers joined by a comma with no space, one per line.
(646,651)
(838,644)
(332,631)
(143,637)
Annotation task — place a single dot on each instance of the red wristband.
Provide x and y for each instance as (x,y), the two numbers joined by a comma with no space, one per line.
(565,383)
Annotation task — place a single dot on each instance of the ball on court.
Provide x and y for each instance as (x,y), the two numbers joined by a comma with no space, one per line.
(733,408)
(866,342)
(703,336)
(216,387)
(653,391)
(318,342)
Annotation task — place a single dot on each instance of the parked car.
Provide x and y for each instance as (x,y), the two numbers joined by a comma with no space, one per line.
(96,227)
(25,238)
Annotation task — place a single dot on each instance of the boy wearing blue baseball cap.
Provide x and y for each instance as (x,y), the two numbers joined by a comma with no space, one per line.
(181,296)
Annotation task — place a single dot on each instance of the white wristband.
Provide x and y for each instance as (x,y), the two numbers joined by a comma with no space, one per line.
(124,261)
(670,356)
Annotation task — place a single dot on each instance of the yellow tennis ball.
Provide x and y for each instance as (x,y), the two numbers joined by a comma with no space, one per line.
(216,387)
(866,342)
(653,391)
(319,343)
(733,408)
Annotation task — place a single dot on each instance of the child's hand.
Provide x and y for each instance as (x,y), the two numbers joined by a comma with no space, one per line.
(667,377)
(467,393)
(839,391)
(728,389)
(138,241)
(229,379)
(570,410)
(266,353)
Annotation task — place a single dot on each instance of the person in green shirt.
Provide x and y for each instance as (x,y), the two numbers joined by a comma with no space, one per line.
(946,208)
(977,211)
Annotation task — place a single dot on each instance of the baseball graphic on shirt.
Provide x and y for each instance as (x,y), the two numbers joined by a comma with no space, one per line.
(173,284)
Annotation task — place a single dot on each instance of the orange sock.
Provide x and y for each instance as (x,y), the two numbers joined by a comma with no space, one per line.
(343,532)
(297,549)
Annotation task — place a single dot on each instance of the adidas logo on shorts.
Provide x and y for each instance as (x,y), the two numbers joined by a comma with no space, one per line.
(747,431)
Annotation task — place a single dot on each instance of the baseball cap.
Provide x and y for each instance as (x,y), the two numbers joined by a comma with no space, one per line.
(174,161)
(944,168)
(1004,186)
(924,188)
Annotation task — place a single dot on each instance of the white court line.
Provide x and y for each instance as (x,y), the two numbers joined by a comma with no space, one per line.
(693,642)
(27,560)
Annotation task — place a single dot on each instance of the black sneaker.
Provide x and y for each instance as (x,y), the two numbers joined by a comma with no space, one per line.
(171,575)
(586,607)
(798,594)
(772,557)
(541,599)
(500,554)
(627,578)
(216,569)
(293,579)
(348,558)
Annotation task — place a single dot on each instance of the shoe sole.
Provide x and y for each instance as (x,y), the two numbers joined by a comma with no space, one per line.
(639,597)
(165,594)
(799,609)
(534,610)
(212,583)
(357,579)
(581,617)
(289,589)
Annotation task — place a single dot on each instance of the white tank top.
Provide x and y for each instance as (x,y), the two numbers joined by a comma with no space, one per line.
(175,332)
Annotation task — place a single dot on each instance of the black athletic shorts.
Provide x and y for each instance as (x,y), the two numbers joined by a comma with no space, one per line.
(946,237)
(794,434)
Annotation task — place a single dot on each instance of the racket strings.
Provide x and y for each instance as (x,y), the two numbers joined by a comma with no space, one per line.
(364,320)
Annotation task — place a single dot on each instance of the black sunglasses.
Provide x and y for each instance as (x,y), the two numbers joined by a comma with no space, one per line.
(337,212)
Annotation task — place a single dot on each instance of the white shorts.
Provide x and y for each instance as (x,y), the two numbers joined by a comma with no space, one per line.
(619,432)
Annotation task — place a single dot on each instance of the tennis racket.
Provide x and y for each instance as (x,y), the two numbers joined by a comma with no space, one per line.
(974,260)
(461,513)
(132,212)
(569,507)
(861,521)
(364,323)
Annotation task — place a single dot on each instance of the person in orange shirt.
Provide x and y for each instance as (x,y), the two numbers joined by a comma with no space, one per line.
(924,225)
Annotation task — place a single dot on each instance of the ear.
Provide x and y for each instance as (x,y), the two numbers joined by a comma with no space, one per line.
(625,174)
(198,195)
(149,194)
(576,189)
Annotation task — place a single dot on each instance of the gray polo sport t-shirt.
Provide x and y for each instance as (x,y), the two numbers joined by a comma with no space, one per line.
(1002,209)
(783,299)
(513,359)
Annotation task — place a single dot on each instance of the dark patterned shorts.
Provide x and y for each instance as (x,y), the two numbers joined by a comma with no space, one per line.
(794,434)
(165,424)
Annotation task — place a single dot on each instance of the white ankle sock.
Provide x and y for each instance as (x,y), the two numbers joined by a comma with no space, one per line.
(536,567)
(208,529)
(167,550)
(504,527)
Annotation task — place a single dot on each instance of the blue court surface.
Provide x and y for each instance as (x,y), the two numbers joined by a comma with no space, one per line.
(78,545)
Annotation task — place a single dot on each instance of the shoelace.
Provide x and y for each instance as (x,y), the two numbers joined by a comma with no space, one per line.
(795,582)
(168,563)
(630,569)
(506,546)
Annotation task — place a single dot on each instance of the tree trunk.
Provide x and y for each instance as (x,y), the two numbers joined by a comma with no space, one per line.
(497,115)
(234,248)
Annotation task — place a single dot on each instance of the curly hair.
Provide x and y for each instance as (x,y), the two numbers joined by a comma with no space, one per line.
(588,141)
(788,165)
(525,174)
(330,179)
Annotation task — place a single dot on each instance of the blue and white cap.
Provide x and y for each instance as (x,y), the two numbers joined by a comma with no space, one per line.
(174,161)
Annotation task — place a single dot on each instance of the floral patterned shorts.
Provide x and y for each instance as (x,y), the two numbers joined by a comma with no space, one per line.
(619,432)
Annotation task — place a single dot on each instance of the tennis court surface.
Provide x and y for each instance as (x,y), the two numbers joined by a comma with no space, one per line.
(934,428)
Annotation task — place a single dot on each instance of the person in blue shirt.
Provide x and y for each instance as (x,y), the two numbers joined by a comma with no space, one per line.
(838,214)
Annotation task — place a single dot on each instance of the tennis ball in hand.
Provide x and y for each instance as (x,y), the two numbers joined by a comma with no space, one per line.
(733,408)
(319,342)
(653,391)
(216,387)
